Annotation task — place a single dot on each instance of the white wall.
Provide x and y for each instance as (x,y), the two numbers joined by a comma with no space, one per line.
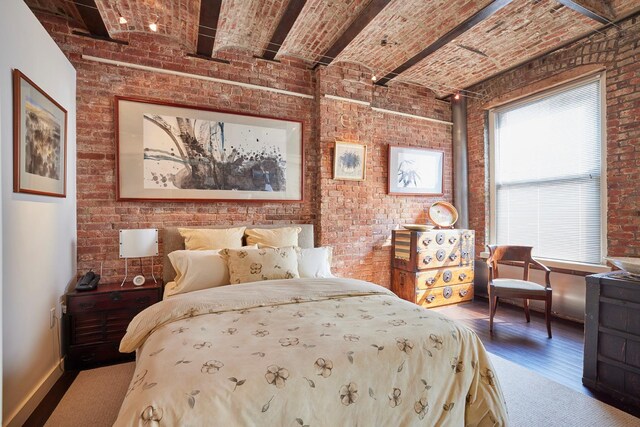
(38,233)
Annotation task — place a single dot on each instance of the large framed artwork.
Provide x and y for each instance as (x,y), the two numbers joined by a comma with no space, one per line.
(39,140)
(173,152)
(415,171)
(350,161)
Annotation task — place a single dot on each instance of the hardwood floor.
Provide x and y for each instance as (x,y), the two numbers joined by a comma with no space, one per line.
(559,358)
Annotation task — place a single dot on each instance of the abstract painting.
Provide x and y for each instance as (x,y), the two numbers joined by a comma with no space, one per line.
(186,153)
(415,171)
(350,161)
(40,137)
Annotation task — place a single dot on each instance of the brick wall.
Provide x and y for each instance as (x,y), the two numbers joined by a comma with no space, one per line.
(618,52)
(355,218)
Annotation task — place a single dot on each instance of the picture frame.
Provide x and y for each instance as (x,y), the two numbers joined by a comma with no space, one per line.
(184,153)
(415,171)
(349,161)
(39,140)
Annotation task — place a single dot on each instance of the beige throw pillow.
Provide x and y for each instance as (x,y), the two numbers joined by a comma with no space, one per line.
(197,270)
(204,239)
(253,265)
(274,237)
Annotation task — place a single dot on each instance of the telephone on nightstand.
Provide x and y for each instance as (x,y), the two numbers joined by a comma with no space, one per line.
(88,282)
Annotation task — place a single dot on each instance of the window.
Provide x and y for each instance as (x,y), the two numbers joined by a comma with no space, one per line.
(547,178)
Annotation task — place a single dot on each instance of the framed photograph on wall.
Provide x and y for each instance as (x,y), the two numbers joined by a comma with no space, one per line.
(174,152)
(415,171)
(39,140)
(350,161)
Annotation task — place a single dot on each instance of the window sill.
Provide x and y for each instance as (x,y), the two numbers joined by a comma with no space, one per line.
(567,266)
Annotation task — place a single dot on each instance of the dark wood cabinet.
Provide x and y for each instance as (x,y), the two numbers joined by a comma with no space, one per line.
(433,268)
(612,336)
(95,322)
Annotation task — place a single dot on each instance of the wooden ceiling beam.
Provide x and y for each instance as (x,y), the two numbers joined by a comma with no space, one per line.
(366,16)
(92,19)
(575,5)
(207,26)
(289,17)
(460,29)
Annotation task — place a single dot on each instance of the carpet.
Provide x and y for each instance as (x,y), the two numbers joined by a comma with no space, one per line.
(95,397)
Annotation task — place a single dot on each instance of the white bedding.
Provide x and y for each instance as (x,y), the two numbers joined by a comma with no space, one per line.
(318,352)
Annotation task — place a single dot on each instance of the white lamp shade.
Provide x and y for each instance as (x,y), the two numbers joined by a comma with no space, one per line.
(138,243)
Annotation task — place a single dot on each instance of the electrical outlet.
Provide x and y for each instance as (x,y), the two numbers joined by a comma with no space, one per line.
(52,318)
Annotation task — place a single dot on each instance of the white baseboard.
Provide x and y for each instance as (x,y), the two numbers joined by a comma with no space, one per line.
(31,402)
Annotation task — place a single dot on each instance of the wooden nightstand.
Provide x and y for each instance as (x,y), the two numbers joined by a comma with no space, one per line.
(95,322)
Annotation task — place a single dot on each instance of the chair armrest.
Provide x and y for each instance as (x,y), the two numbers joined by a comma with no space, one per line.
(545,268)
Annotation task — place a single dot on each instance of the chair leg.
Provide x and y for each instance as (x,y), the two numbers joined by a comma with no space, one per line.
(526,310)
(547,314)
(493,305)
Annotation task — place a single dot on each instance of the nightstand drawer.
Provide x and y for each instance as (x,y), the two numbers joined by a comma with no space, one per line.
(112,300)
(88,356)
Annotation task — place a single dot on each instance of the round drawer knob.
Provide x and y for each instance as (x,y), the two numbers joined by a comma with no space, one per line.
(452,240)
(463,292)
(453,257)
(426,242)
(446,276)
(431,280)
(427,259)
(440,254)
(447,292)
(462,276)
(431,298)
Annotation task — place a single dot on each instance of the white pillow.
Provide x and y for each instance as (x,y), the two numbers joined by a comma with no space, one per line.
(315,262)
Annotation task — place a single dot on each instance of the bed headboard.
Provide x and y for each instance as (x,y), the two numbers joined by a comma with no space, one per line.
(173,241)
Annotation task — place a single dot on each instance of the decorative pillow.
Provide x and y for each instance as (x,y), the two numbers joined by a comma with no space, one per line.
(274,237)
(315,262)
(197,270)
(204,239)
(253,265)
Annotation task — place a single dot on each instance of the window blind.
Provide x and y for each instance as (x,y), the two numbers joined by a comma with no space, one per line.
(547,170)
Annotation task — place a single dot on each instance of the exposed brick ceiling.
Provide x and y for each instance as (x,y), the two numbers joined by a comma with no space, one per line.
(518,32)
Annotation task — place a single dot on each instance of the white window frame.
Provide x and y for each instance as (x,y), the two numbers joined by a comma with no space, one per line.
(578,266)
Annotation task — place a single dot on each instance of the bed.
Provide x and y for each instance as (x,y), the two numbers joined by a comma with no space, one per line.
(305,352)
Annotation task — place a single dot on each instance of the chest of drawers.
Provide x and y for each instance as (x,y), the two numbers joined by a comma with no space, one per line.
(612,336)
(433,268)
(95,322)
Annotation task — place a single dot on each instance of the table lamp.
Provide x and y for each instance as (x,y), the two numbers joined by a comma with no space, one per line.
(138,243)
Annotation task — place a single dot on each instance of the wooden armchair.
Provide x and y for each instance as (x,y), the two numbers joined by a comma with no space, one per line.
(513,288)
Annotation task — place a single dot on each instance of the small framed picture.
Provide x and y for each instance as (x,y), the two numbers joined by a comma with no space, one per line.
(415,171)
(39,140)
(350,161)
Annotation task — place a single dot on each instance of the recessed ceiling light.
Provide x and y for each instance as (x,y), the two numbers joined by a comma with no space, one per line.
(153,27)
(374,78)
(457,96)
(122,20)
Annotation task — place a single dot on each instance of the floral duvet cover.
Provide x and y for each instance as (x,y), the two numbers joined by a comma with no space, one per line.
(305,352)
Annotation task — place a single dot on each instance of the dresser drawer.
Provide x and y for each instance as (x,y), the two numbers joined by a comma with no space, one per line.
(112,300)
(437,239)
(444,277)
(436,297)
(436,258)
